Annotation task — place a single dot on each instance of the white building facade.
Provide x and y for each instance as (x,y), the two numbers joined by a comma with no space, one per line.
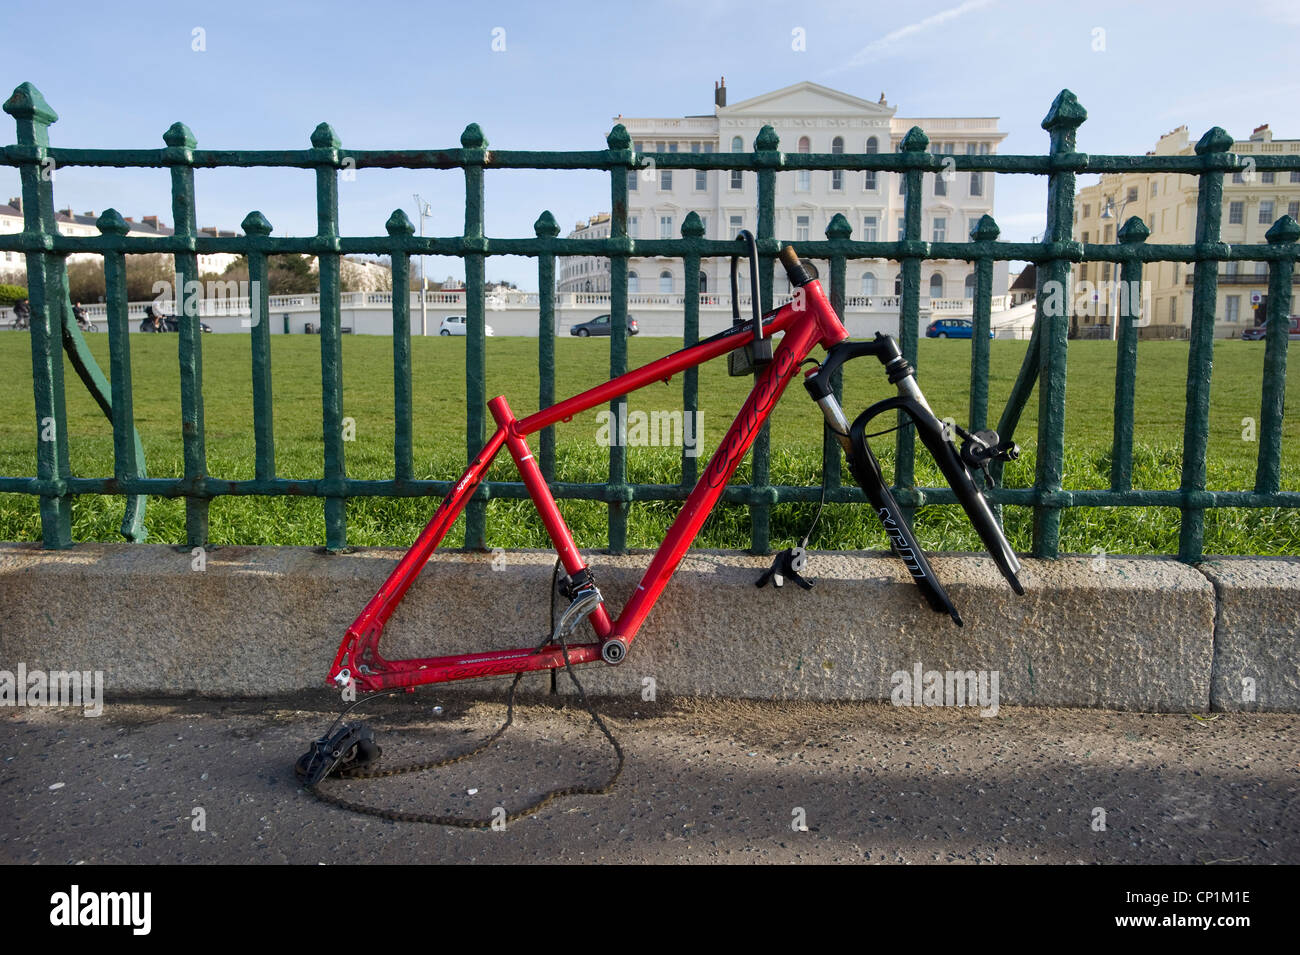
(83,224)
(807,118)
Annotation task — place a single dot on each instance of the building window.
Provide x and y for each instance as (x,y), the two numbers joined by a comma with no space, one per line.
(1105,272)
(1109,234)
(1087,210)
(1155,188)
(869,183)
(1267,176)
(802,177)
(1293,209)
(665,175)
(1232,308)
(665,227)
(1085,238)
(969,289)
(701,176)
(801,229)
(737,176)
(634,227)
(1173,311)
(972,224)
(936,285)
(1132,194)
(837,175)
(940,187)
(704,283)
(1265,211)
(665,283)
(1236,213)
(976,179)
(868,283)
(737,224)
(1236,177)
(1230,268)
(869,229)
(1261,269)
(940,230)
(704,221)
(1295,175)
(902,232)
(633,283)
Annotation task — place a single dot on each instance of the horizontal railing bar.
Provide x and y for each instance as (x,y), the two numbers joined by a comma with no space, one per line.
(1078,162)
(735,494)
(668,248)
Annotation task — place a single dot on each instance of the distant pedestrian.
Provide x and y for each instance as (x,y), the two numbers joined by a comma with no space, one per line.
(22,314)
(79,314)
(153,320)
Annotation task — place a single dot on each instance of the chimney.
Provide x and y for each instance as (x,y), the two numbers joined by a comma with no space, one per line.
(150,221)
(209,230)
(720,92)
(89,214)
(1262,134)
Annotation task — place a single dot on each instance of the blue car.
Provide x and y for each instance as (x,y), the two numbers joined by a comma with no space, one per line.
(952,328)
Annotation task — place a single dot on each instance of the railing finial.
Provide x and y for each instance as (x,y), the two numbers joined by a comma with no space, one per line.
(546,227)
(255,224)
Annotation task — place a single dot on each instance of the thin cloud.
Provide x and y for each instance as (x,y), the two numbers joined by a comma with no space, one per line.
(877,47)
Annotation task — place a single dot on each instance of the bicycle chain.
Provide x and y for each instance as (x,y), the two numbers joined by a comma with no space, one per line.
(462,822)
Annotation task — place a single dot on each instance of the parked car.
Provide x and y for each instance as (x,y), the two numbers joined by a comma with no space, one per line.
(455,325)
(600,325)
(952,328)
(172,325)
(1259,331)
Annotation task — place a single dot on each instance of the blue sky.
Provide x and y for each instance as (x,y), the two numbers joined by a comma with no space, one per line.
(408,75)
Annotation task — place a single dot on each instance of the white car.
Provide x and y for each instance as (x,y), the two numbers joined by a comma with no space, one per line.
(455,325)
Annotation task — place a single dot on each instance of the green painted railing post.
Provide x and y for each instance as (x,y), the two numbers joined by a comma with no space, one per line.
(1053,314)
(762,494)
(692,229)
(837,230)
(546,228)
(474,148)
(1131,235)
(400,229)
(618,493)
(128,452)
(912,250)
(1213,148)
(984,234)
(256,227)
(34,116)
(1268,471)
(179,155)
(325,150)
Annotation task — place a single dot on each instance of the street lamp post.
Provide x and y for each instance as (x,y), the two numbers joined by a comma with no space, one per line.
(424,211)
(1109,213)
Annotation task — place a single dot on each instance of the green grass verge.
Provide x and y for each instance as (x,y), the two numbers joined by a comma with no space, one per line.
(439,415)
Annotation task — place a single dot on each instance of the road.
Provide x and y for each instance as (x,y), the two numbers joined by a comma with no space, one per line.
(705,781)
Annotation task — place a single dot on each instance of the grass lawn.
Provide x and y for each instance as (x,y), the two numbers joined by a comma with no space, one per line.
(439,415)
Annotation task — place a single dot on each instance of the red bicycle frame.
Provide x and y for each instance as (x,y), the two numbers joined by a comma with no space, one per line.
(806,322)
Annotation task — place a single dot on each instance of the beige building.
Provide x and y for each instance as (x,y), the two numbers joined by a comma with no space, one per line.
(1252,202)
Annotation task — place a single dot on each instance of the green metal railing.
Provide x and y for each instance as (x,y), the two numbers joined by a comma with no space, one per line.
(53,329)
